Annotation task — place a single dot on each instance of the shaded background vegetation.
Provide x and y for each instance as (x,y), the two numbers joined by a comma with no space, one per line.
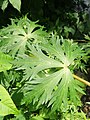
(70,18)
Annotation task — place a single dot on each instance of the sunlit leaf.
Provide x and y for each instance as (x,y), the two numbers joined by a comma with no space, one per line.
(5,62)
(6,104)
(4,4)
(16,37)
(16,4)
(37,118)
(56,86)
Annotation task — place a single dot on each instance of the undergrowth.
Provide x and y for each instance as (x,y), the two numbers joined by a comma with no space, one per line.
(37,69)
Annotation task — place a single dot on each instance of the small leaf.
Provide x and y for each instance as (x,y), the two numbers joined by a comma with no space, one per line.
(5,62)
(37,118)
(6,104)
(4,5)
(16,4)
(87,37)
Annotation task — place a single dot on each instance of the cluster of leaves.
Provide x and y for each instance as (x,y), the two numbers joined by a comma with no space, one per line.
(70,17)
(41,71)
(36,67)
(15,4)
(6,104)
(75,27)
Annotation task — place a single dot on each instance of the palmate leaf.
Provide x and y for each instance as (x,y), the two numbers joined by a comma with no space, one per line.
(66,53)
(36,62)
(16,37)
(53,87)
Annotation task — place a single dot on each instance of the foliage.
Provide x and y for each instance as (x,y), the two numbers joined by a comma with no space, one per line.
(71,113)
(55,86)
(37,63)
(6,104)
(17,36)
(15,4)
(73,15)
(42,68)
(5,62)
(75,27)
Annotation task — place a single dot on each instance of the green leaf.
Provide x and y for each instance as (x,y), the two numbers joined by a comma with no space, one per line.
(56,84)
(5,62)
(37,118)
(45,84)
(4,4)
(16,4)
(6,104)
(87,37)
(19,117)
(66,53)
(72,51)
(69,29)
(17,37)
(37,61)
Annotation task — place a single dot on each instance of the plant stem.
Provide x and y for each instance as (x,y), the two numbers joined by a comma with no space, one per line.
(81,80)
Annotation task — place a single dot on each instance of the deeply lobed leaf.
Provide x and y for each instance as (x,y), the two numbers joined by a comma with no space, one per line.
(16,37)
(46,86)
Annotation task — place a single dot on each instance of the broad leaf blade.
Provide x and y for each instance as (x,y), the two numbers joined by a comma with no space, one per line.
(16,4)
(5,62)
(6,104)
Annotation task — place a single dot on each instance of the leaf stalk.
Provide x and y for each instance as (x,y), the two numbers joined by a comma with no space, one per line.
(81,80)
